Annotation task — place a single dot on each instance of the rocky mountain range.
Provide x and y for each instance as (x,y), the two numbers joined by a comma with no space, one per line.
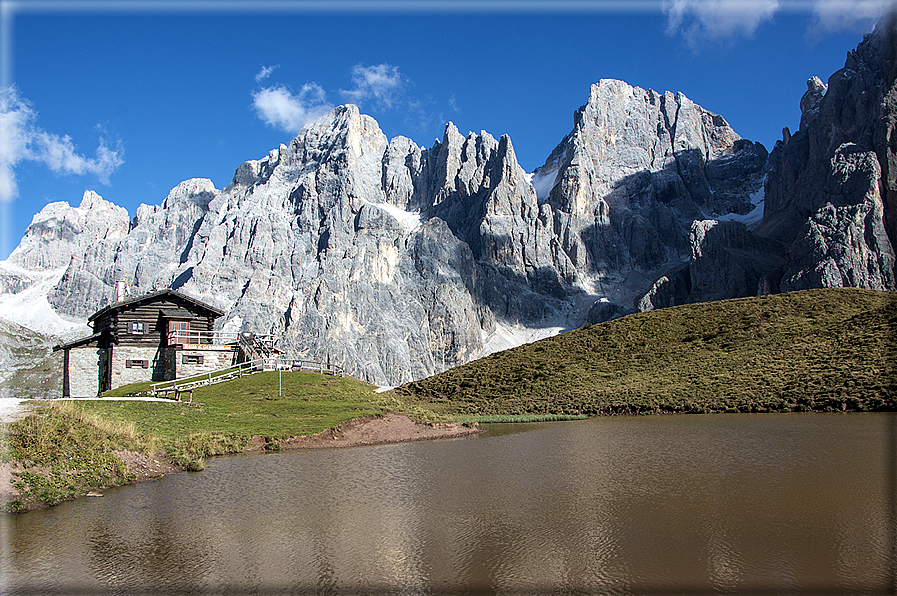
(400,261)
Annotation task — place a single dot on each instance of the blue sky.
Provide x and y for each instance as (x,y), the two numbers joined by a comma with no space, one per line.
(131,98)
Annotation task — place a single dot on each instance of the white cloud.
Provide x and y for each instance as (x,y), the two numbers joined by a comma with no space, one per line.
(453,103)
(21,140)
(265,72)
(383,82)
(848,15)
(278,107)
(382,85)
(699,20)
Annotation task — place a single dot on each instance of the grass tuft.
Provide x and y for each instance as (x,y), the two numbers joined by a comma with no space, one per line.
(515,418)
(66,452)
(190,452)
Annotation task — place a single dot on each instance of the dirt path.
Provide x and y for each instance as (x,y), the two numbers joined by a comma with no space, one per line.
(372,430)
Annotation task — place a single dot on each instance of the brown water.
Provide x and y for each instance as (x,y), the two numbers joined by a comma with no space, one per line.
(761,504)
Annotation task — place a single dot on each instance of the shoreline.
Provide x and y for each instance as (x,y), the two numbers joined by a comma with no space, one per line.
(385,429)
(378,429)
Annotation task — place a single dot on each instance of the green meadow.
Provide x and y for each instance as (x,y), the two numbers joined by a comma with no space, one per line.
(67,447)
(817,350)
(266,403)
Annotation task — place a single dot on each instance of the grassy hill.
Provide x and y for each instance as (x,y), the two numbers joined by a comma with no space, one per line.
(250,405)
(824,350)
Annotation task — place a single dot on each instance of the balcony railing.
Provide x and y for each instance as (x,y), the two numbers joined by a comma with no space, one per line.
(301,364)
(224,338)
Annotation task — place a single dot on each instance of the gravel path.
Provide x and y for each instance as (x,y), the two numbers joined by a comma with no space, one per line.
(13,408)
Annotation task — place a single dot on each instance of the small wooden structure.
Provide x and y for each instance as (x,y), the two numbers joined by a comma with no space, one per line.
(158,336)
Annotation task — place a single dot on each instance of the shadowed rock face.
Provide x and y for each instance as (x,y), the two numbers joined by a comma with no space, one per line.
(634,173)
(400,261)
(830,216)
(830,193)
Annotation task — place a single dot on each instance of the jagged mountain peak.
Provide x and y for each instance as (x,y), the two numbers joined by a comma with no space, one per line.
(809,103)
(91,199)
(343,126)
(830,197)
(625,133)
(399,261)
(200,191)
(57,232)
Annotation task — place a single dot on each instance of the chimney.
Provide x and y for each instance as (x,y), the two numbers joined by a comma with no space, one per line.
(119,291)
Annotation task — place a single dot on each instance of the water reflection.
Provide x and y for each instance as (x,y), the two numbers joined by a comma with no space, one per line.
(688,504)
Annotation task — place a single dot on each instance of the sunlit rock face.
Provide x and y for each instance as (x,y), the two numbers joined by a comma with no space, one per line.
(635,171)
(399,261)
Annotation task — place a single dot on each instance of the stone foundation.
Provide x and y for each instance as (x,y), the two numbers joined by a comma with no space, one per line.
(195,362)
(81,372)
(133,364)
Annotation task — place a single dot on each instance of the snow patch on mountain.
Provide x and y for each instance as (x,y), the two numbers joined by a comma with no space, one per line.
(751,218)
(410,220)
(542,184)
(510,335)
(30,308)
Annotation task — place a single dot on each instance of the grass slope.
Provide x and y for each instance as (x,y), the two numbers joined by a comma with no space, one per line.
(250,406)
(826,350)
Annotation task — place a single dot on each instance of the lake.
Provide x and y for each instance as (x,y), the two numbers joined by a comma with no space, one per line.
(688,504)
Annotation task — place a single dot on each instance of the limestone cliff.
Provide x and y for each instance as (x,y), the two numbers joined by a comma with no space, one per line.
(830,213)
(399,261)
(831,196)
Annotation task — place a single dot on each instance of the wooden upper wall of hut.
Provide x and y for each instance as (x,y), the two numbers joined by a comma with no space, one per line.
(144,320)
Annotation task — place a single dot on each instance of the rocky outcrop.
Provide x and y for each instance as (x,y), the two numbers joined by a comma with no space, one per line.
(727,261)
(831,184)
(830,213)
(60,232)
(28,367)
(633,174)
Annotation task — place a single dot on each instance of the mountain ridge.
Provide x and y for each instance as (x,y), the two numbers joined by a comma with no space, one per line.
(399,261)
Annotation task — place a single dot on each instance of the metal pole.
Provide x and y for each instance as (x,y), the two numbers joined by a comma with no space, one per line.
(279,382)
